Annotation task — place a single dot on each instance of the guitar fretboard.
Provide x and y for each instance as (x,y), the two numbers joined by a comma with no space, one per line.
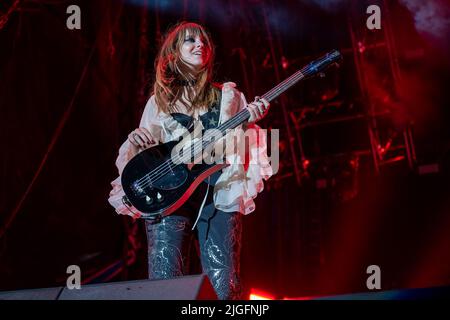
(243,115)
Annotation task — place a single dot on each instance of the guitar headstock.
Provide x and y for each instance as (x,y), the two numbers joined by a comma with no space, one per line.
(319,65)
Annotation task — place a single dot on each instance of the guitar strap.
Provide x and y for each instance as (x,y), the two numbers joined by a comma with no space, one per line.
(210,120)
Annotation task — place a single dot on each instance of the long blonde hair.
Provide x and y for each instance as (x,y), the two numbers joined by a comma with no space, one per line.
(170,70)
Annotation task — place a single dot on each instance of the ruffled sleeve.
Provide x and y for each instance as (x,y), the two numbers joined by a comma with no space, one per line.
(151,121)
(242,180)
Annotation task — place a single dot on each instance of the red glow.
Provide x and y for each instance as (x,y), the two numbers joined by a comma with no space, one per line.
(256,294)
(361,47)
(284,63)
(305,163)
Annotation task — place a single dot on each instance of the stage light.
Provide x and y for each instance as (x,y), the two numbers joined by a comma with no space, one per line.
(361,47)
(284,63)
(306,163)
(256,294)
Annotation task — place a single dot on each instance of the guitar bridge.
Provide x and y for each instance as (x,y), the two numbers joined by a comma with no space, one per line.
(138,190)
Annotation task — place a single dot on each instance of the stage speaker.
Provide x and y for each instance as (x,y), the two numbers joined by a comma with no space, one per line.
(196,287)
(32,294)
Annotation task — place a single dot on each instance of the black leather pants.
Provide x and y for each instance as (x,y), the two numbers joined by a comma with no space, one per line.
(219,238)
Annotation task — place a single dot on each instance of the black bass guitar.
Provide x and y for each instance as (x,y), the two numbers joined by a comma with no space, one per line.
(156,183)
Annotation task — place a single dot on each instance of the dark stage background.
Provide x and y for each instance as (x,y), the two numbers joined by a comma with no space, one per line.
(364,172)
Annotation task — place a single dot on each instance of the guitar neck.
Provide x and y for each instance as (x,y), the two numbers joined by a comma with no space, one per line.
(270,95)
(308,70)
(243,115)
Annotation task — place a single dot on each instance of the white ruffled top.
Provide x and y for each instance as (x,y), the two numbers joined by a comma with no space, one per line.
(237,186)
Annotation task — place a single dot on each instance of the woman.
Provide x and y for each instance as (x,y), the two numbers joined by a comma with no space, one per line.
(185,97)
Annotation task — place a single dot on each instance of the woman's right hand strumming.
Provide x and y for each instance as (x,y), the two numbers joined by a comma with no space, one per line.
(141,138)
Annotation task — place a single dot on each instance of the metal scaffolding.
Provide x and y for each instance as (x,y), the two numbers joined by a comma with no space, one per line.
(369,49)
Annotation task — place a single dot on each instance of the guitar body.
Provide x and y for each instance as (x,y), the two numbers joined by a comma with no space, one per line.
(171,188)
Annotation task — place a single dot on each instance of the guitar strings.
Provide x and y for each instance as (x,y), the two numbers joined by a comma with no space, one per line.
(156,173)
(305,70)
(161,170)
(166,166)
